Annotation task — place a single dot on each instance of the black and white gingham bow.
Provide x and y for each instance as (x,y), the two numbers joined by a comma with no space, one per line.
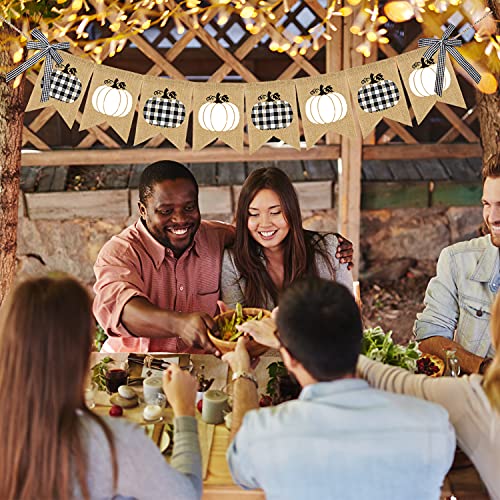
(444,45)
(47,51)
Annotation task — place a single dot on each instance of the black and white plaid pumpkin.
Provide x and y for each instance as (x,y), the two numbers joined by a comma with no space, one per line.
(271,113)
(378,94)
(165,111)
(64,85)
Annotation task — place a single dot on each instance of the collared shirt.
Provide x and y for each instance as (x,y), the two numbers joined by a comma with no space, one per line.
(134,264)
(459,298)
(345,440)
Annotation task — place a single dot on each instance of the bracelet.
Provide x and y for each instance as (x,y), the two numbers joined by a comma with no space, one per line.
(484,365)
(247,375)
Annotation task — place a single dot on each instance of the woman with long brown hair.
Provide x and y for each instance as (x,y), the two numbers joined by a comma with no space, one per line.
(272,249)
(472,401)
(52,446)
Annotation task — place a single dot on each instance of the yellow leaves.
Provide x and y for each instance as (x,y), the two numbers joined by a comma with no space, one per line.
(18,55)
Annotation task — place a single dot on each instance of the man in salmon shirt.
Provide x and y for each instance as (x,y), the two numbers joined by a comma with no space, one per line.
(157,282)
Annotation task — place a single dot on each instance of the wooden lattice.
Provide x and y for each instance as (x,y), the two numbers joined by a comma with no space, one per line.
(229,53)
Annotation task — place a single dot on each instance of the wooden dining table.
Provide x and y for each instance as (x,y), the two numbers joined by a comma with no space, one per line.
(462,481)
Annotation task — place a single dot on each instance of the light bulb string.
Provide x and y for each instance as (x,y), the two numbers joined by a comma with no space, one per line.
(471,26)
(14,27)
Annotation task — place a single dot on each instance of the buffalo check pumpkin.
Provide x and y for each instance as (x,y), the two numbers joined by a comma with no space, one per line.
(65,85)
(377,94)
(165,111)
(271,113)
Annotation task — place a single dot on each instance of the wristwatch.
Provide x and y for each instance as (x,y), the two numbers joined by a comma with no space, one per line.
(484,365)
(247,375)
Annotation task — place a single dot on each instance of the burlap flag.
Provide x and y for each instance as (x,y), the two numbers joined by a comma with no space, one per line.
(377,93)
(69,83)
(272,111)
(325,105)
(164,109)
(112,98)
(218,114)
(419,77)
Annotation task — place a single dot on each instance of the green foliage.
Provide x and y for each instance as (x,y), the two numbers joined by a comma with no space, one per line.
(379,346)
(275,370)
(99,373)
(100,337)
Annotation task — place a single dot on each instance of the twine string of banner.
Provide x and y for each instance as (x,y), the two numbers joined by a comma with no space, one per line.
(448,45)
(47,51)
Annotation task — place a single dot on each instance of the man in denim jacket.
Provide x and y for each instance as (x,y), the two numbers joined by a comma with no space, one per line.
(459,298)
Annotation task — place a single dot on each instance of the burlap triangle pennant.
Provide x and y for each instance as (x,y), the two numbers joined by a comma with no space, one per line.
(164,110)
(271,109)
(325,105)
(378,93)
(419,78)
(67,88)
(218,114)
(112,98)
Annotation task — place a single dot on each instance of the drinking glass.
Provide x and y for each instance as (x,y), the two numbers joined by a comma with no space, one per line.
(116,375)
(89,395)
(452,364)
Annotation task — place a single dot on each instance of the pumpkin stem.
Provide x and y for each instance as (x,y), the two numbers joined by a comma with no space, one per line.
(424,63)
(66,69)
(322,90)
(218,99)
(372,78)
(269,97)
(165,94)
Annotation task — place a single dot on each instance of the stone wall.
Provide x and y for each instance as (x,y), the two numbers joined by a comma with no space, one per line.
(392,241)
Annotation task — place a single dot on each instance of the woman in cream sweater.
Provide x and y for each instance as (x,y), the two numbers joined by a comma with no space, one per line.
(473,403)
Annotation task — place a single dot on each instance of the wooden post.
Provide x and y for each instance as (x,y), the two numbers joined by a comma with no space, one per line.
(349,192)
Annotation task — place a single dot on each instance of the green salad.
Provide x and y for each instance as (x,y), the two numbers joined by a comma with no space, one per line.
(379,346)
(227,325)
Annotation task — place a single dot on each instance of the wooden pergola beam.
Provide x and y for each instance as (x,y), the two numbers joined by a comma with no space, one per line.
(145,155)
(64,157)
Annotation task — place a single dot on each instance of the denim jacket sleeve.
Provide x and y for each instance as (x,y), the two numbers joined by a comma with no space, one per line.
(441,312)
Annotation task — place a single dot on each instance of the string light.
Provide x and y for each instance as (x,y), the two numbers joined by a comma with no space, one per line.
(128,18)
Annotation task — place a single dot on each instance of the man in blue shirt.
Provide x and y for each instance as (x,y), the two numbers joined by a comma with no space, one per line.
(459,298)
(341,439)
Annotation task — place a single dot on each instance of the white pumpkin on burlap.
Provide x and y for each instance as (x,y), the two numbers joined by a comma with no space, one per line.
(325,106)
(218,114)
(112,99)
(422,79)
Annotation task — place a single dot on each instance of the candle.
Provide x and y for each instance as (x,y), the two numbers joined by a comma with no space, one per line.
(152,386)
(214,405)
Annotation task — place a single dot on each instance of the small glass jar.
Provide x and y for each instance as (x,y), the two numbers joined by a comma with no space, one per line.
(452,364)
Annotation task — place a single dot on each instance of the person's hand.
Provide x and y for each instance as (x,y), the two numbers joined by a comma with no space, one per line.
(345,251)
(222,306)
(193,331)
(239,359)
(180,388)
(262,331)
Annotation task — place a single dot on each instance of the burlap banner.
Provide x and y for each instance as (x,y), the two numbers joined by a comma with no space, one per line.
(378,93)
(69,83)
(164,110)
(419,77)
(218,114)
(112,98)
(271,109)
(325,105)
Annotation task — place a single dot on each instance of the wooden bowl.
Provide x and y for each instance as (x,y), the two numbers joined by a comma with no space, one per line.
(254,348)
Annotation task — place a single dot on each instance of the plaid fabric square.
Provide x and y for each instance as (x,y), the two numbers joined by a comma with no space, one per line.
(272,115)
(165,113)
(378,96)
(64,87)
